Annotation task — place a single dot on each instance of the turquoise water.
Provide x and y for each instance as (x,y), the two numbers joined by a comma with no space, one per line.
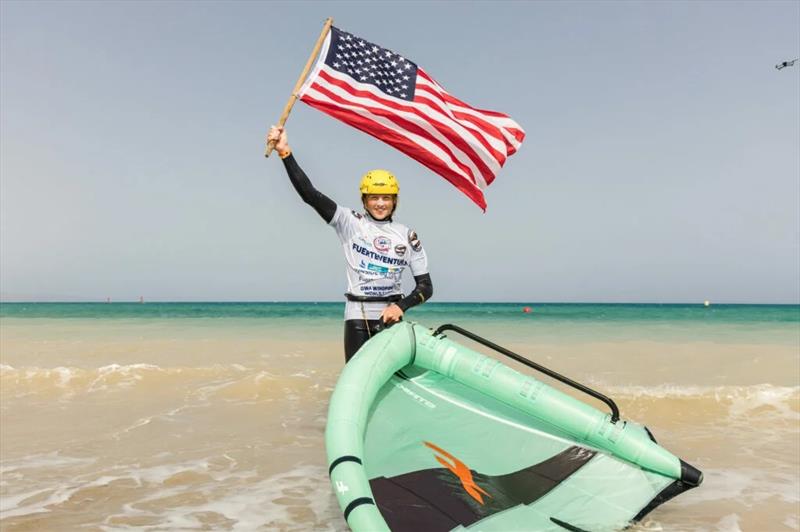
(430,312)
(546,323)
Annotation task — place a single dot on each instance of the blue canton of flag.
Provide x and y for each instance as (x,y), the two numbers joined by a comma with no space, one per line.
(366,62)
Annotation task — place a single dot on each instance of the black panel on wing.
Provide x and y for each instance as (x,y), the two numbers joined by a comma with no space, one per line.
(437,499)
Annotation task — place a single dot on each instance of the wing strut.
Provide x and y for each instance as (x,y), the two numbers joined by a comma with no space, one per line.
(522,360)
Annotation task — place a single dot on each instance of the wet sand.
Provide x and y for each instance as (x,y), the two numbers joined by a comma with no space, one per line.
(197,424)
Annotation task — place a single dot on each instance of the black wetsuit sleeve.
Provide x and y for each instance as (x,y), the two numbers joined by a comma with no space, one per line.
(421,293)
(324,206)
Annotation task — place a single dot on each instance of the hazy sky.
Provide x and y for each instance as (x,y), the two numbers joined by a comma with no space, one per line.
(661,161)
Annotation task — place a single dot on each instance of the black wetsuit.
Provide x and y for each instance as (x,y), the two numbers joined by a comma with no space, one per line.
(358,331)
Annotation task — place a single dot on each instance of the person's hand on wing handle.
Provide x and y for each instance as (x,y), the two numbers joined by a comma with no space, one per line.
(391,314)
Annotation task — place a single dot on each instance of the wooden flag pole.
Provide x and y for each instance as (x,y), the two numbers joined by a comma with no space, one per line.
(301,80)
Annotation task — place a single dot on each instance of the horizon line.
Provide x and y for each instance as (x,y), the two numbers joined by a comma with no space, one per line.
(464,302)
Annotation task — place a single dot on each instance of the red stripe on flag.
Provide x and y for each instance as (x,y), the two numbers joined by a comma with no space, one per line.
(443,129)
(497,155)
(437,89)
(431,92)
(452,99)
(403,144)
(484,125)
(396,119)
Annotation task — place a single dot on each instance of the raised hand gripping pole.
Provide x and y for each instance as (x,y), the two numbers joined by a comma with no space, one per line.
(293,98)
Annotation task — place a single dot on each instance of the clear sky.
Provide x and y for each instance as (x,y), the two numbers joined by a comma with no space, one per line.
(661,162)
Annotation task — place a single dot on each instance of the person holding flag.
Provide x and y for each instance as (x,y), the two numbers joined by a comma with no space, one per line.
(386,95)
(377,249)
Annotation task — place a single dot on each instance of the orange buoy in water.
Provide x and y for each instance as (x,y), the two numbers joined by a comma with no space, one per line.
(527,310)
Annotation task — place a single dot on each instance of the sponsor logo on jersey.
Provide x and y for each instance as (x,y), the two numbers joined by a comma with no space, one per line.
(382,243)
(413,239)
(378,257)
(357,214)
(400,249)
(381,269)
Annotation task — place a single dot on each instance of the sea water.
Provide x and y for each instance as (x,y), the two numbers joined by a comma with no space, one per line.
(164,416)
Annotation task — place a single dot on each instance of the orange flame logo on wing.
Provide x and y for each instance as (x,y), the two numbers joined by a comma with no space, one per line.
(459,469)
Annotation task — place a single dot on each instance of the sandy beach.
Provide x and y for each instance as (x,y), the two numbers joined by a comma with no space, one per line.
(159,424)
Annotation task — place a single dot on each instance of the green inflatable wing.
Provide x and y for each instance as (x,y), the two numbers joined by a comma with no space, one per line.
(426,434)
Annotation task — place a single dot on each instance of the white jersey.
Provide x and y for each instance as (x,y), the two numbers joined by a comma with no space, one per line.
(376,253)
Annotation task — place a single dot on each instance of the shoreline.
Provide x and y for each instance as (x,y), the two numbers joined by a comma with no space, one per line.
(100,301)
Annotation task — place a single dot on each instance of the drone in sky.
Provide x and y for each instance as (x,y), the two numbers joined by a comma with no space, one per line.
(781,66)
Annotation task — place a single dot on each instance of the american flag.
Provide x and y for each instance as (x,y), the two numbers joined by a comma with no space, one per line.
(389,97)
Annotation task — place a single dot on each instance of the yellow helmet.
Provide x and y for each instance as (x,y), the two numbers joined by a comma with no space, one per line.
(379,182)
